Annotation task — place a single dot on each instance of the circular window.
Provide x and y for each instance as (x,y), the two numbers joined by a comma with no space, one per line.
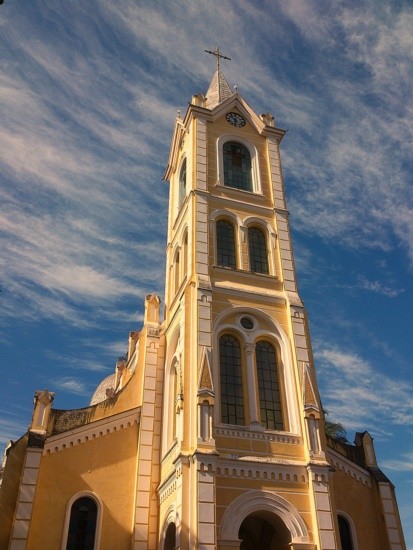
(247,323)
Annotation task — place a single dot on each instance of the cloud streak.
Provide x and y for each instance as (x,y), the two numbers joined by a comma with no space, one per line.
(356,393)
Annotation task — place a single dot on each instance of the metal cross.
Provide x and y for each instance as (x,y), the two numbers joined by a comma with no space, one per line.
(217,55)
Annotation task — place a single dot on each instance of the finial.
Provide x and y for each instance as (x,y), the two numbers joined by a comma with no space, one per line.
(235,88)
(218,55)
(178,112)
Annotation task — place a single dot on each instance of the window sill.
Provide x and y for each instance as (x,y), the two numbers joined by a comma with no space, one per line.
(245,272)
(257,194)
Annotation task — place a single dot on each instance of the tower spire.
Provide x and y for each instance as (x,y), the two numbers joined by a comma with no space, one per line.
(219,89)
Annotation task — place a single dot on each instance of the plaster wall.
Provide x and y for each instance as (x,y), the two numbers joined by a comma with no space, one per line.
(360,503)
(106,467)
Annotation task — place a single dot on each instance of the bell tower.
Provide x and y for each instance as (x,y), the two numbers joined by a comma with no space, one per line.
(243,449)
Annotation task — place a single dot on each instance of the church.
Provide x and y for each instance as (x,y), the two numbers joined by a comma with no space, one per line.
(210,433)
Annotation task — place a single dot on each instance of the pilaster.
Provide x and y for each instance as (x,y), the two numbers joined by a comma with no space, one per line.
(318,476)
(25,500)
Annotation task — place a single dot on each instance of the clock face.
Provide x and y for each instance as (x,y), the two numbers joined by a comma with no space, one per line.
(235,119)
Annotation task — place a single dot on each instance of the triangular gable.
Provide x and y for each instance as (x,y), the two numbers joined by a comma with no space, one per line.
(236,101)
(205,383)
(309,396)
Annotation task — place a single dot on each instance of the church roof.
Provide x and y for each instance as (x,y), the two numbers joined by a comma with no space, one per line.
(219,90)
(100,393)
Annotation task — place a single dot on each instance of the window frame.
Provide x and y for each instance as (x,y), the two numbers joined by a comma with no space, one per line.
(241,375)
(240,176)
(235,242)
(266,328)
(261,253)
(182,195)
(351,527)
(281,401)
(255,172)
(98,526)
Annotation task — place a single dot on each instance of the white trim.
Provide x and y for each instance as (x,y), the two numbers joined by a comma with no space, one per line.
(262,501)
(255,221)
(170,518)
(226,215)
(255,172)
(93,496)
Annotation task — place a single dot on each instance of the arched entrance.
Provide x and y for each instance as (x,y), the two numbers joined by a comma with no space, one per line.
(266,515)
(263,531)
(170,537)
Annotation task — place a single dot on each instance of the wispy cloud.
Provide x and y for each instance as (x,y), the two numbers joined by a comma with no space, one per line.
(71,385)
(379,288)
(359,395)
(403,464)
(9,429)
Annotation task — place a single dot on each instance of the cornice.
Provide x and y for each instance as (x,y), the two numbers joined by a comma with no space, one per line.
(348,467)
(93,430)
(229,287)
(238,432)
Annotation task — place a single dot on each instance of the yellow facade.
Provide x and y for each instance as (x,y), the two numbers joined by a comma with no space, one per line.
(210,434)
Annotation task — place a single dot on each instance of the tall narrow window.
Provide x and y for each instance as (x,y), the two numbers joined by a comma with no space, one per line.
(257,245)
(225,244)
(232,409)
(182,183)
(82,526)
(172,397)
(177,274)
(268,386)
(185,255)
(237,166)
(345,533)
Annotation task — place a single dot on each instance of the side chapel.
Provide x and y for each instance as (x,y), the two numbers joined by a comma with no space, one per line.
(210,433)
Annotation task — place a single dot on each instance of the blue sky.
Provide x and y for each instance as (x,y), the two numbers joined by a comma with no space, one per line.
(89,94)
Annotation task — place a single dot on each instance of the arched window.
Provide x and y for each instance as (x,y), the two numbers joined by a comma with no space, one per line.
(225,244)
(182,183)
(185,255)
(172,397)
(82,525)
(258,253)
(177,274)
(268,386)
(232,409)
(237,166)
(345,533)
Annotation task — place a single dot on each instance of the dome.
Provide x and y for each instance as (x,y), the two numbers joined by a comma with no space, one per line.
(100,395)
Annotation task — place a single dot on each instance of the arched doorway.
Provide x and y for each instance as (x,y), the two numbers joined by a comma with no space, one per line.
(263,531)
(170,537)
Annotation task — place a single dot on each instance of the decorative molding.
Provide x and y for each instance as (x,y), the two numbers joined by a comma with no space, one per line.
(245,433)
(255,467)
(349,468)
(251,501)
(91,431)
(204,282)
(237,289)
(168,487)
